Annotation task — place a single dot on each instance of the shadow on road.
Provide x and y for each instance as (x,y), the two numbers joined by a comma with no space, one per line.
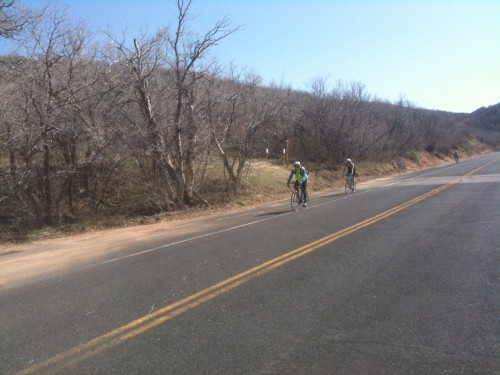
(274,213)
(335,195)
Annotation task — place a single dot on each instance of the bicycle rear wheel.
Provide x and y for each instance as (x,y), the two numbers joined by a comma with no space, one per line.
(347,186)
(295,201)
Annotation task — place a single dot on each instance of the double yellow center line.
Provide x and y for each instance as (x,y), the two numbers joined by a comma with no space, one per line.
(119,335)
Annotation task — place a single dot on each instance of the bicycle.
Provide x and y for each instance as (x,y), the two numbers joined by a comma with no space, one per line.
(350,186)
(456,158)
(297,198)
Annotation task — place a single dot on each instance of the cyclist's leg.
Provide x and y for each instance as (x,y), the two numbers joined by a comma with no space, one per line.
(304,191)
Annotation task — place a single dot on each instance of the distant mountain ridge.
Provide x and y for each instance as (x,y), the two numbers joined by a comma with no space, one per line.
(486,118)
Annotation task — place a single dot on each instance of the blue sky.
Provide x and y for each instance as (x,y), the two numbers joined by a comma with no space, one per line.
(437,54)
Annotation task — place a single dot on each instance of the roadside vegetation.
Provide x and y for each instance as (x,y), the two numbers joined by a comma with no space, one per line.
(263,183)
(97,134)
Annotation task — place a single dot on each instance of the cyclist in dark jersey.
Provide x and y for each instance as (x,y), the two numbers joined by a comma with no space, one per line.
(351,169)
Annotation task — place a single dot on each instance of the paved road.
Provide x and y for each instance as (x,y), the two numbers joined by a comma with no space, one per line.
(401,277)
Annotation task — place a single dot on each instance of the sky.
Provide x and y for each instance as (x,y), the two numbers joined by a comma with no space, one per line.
(436,54)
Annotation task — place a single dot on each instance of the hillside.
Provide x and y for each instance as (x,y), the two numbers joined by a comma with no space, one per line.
(486,118)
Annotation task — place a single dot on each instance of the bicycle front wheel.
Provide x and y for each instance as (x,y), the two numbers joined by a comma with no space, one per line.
(295,201)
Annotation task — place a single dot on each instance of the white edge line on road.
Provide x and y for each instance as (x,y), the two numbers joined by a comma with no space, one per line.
(218,232)
(187,240)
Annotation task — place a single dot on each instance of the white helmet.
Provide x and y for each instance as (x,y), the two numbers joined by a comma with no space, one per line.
(349,160)
(296,164)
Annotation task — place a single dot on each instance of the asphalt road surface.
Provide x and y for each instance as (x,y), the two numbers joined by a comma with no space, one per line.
(401,277)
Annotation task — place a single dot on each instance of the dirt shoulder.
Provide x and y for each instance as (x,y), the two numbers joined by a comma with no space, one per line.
(20,262)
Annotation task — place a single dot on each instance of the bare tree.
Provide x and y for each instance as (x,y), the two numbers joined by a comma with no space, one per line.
(186,64)
(167,71)
(317,122)
(144,86)
(13,18)
(52,87)
(243,111)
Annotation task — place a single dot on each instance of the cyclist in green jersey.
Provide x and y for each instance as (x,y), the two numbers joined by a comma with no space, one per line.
(300,174)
